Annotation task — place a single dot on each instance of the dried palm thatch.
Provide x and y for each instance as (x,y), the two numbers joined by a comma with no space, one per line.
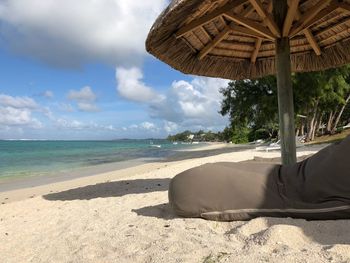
(235,39)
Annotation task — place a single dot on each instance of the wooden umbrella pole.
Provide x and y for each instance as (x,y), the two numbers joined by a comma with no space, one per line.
(285,101)
(284,87)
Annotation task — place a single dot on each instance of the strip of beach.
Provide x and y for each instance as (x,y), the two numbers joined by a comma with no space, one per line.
(124,216)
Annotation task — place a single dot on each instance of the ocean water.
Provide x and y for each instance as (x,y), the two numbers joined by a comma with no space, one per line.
(39,158)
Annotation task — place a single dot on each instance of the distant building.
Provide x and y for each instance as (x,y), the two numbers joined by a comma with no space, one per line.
(190,137)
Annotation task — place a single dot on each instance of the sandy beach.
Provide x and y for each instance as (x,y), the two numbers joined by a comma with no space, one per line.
(123,216)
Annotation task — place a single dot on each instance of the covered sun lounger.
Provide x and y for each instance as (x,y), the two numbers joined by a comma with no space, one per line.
(317,188)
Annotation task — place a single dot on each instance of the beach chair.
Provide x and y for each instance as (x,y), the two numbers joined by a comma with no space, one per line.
(271,147)
(276,146)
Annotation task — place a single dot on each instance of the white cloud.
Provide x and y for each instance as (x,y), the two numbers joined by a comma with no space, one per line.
(69,33)
(89,107)
(48,94)
(144,129)
(10,116)
(191,101)
(47,112)
(148,126)
(65,107)
(62,123)
(189,104)
(84,94)
(66,124)
(17,111)
(85,99)
(185,105)
(131,87)
(170,127)
(17,102)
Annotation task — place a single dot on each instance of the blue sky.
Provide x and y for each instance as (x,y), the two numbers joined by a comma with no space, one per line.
(79,70)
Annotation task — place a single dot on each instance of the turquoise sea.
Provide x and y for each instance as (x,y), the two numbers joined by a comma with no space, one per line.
(40,158)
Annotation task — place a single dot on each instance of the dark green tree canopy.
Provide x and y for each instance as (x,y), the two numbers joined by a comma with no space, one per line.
(251,104)
(320,98)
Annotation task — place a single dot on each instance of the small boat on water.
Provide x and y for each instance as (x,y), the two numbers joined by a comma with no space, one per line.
(154,145)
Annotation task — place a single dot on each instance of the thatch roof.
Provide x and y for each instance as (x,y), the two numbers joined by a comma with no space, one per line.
(234,39)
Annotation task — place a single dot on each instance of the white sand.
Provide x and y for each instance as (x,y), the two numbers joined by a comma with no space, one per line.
(128,220)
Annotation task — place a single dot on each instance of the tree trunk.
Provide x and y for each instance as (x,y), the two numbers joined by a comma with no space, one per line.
(334,126)
(311,123)
(303,128)
(329,123)
(311,126)
(317,126)
(319,123)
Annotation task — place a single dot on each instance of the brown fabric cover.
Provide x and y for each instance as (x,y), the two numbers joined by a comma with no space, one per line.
(315,188)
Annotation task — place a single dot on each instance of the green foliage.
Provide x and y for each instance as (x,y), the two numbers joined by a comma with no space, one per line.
(226,135)
(198,136)
(346,116)
(321,97)
(183,136)
(260,134)
(210,136)
(251,101)
(326,89)
(251,104)
(240,134)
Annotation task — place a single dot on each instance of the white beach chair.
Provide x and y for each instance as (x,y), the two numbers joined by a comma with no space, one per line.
(271,147)
(277,145)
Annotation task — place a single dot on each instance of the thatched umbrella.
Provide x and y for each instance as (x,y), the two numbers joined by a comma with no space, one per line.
(241,39)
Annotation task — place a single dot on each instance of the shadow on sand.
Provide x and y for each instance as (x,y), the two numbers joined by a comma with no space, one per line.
(111,189)
(162,211)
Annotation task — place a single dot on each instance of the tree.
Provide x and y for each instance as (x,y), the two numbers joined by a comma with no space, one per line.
(226,135)
(183,136)
(251,104)
(308,92)
(319,97)
(240,134)
(346,115)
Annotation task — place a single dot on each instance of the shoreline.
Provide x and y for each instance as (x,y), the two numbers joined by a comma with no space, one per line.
(19,188)
(202,150)
(23,188)
(15,183)
(31,160)
(30,191)
(19,182)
